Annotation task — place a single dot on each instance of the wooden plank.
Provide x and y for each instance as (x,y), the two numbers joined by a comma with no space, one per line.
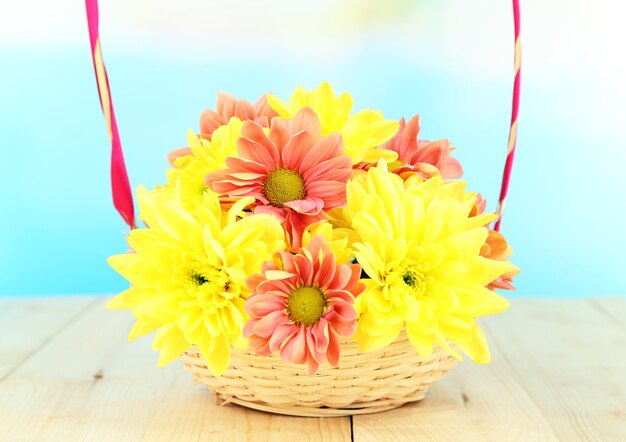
(26,324)
(571,359)
(190,414)
(613,308)
(472,403)
(88,383)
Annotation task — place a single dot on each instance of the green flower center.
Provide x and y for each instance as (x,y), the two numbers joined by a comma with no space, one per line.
(306,305)
(198,278)
(415,279)
(210,288)
(284,185)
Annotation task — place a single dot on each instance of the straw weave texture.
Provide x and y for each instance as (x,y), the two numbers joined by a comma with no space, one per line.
(362,383)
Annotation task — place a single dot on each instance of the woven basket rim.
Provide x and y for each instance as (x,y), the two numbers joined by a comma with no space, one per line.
(361,383)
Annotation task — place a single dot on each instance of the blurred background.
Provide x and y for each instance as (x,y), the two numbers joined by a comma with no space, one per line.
(448,60)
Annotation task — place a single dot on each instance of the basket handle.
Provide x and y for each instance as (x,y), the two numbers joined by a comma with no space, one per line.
(510,156)
(122,195)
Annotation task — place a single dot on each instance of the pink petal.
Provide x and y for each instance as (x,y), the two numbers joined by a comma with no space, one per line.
(295,349)
(313,358)
(318,244)
(278,287)
(354,280)
(430,154)
(257,152)
(326,271)
(281,336)
(334,348)
(247,329)
(263,110)
(266,325)
(260,305)
(335,296)
(309,206)
(306,120)
(226,104)
(395,143)
(322,189)
(312,365)
(345,311)
(278,212)
(243,110)
(328,147)
(296,223)
(409,139)
(296,149)
(343,328)
(320,334)
(259,345)
(279,134)
(343,275)
(231,189)
(340,162)
(236,164)
(262,121)
(288,262)
(253,281)
(240,182)
(304,269)
(333,193)
(247,176)
(451,168)
(427,170)
(209,121)
(217,175)
(340,174)
(268,265)
(254,132)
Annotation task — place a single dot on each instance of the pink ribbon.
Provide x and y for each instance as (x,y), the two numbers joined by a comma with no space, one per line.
(120,186)
(512,144)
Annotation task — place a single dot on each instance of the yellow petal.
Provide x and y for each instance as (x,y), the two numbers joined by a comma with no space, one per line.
(279,106)
(375,155)
(423,343)
(216,354)
(476,348)
(171,342)
(142,327)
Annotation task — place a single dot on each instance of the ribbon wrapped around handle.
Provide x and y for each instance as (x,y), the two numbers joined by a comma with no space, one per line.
(120,186)
(508,165)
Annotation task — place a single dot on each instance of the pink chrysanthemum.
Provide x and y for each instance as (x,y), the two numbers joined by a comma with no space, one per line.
(301,308)
(294,173)
(229,106)
(428,158)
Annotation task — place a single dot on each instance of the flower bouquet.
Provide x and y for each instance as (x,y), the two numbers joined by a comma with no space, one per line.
(306,259)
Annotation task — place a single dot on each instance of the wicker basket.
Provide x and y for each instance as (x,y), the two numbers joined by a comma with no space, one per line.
(362,383)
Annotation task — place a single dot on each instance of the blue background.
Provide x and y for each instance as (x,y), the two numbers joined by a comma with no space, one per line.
(565,213)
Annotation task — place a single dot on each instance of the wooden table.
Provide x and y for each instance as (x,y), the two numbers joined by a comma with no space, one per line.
(68,374)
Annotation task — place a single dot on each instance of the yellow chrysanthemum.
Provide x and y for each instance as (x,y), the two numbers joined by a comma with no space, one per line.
(188,274)
(421,251)
(207,156)
(362,132)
